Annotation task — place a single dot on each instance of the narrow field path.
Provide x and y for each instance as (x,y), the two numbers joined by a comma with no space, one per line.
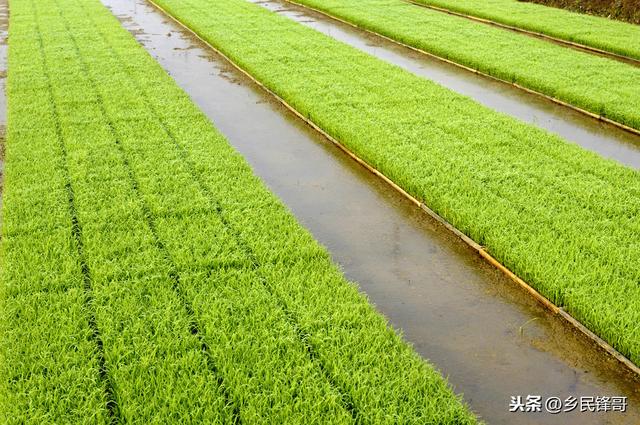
(490,338)
(605,139)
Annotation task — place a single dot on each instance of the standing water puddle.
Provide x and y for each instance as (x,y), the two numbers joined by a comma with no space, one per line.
(605,139)
(488,336)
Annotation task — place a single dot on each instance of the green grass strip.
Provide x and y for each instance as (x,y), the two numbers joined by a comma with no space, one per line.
(212,303)
(562,218)
(606,34)
(599,85)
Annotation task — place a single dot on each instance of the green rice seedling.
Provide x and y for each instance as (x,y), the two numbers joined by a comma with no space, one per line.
(562,218)
(153,362)
(596,84)
(163,260)
(606,34)
(264,231)
(50,370)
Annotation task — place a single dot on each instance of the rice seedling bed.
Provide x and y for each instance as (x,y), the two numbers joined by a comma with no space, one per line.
(601,33)
(600,86)
(150,277)
(561,218)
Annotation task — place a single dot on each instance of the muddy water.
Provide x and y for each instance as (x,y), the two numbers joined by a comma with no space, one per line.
(4,36)
(487,336)
(605,139)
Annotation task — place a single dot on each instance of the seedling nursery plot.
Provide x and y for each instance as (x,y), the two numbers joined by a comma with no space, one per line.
(604,34)
(562,218)
(149,276)
(598,85)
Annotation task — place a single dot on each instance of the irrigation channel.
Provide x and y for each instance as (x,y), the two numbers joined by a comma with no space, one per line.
(487,335)
(606,139)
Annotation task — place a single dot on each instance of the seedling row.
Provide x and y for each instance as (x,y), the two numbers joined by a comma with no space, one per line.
(599,85)
(558,216)
(150,277)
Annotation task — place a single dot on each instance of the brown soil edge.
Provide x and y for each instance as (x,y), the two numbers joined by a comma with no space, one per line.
(470,242)
(475,71)
(566,43)
(624,10)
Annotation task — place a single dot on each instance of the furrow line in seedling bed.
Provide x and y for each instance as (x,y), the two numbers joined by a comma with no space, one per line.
(175,278)
(519,86)
(482,251)
(567,43)
(301,333)
(173,274)
(46,341)
(345,397)
(112,406)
